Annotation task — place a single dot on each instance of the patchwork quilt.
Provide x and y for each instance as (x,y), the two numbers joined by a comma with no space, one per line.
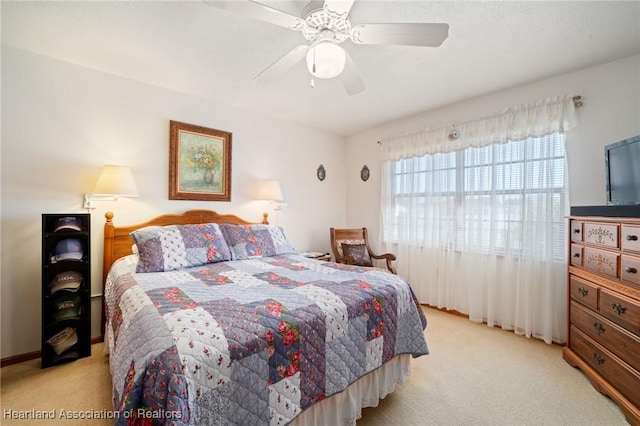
(253,341)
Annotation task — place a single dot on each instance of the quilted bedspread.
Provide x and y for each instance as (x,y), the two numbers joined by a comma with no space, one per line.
(250,342)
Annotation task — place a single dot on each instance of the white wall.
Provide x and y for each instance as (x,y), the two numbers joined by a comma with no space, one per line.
(61,123)
(611,112)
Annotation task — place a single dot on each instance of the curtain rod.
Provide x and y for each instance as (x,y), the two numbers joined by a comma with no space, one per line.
(577,102)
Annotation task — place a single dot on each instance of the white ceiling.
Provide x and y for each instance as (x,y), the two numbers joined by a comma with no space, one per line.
(202,50)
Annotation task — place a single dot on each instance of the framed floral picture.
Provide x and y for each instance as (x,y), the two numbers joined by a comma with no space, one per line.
(199,163)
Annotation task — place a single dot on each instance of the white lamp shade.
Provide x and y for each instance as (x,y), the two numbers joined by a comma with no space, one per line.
(326,60)
(116,180)
(270,190)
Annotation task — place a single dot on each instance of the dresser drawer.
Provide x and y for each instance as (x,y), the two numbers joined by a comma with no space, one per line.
(576,255)
(621,310)
(622,343)
(620,375)
(602,234)
(630,269)
(584,292)
(604,262)
(576,231)
(630,238)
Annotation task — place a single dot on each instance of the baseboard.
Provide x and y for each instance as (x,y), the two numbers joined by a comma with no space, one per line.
(460,314)
(17,359)
(449,311)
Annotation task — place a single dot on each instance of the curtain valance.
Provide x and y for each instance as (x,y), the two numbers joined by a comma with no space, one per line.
(544,117)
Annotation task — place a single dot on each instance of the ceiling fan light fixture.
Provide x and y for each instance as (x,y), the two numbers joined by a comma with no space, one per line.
(326,60)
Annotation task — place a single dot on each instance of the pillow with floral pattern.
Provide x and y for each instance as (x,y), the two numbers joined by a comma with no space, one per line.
(166,248)
(356,254)
(249,241)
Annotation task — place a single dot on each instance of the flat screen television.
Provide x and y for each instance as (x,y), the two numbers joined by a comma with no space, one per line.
(622,171)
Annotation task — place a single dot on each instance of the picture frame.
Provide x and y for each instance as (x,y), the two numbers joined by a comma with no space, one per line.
(199,163)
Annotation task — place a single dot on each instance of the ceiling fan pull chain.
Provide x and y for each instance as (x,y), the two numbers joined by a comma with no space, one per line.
(313,83)
(314,62)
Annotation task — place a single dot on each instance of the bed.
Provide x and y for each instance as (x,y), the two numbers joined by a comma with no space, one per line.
(212,319)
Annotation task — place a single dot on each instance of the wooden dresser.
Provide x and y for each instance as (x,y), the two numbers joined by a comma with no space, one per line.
(604,306)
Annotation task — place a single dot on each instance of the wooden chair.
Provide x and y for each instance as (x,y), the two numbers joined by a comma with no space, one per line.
(351,246)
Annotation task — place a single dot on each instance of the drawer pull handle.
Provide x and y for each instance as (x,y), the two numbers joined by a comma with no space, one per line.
(583,291)
(576,231)
(576,254)
(599,328)
(598,358)
(618,308)
(630,270)
(632,238)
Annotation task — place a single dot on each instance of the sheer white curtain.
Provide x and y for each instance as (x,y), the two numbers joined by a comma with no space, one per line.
(477,221)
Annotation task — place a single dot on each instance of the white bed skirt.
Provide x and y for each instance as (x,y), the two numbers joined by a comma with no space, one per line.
(344,408)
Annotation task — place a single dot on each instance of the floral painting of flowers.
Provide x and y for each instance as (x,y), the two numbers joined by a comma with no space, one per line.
(199,163)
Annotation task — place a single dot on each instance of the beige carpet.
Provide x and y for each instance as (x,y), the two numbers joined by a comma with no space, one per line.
(72,389)
(475,375)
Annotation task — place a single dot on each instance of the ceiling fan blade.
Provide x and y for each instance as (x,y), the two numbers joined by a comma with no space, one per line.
(350,77)
(261,12)
(430,35)
(339,7)
(283,64)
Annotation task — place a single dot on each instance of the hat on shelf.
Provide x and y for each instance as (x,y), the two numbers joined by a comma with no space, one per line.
(67,249)
(67,280)
(63,340)
(67,223)
(66,305)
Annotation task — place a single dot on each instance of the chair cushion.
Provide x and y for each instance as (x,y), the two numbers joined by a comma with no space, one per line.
(340,242)
(358,252)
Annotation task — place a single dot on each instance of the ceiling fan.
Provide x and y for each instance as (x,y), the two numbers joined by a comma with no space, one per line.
(325,25)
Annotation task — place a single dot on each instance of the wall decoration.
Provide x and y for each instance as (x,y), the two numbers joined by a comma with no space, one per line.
(365,173)
(453,134)
(321,173)
(199,163)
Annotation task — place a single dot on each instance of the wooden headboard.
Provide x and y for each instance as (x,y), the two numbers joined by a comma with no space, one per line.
(118,240)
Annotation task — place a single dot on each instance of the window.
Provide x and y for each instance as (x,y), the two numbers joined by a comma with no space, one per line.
(488,199)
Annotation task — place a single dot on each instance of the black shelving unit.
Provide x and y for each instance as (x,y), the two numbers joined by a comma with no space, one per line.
(66,287)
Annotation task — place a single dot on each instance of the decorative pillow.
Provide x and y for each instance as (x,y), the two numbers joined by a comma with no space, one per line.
(165,248)
(247,241)
(339,244)
(358,252)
